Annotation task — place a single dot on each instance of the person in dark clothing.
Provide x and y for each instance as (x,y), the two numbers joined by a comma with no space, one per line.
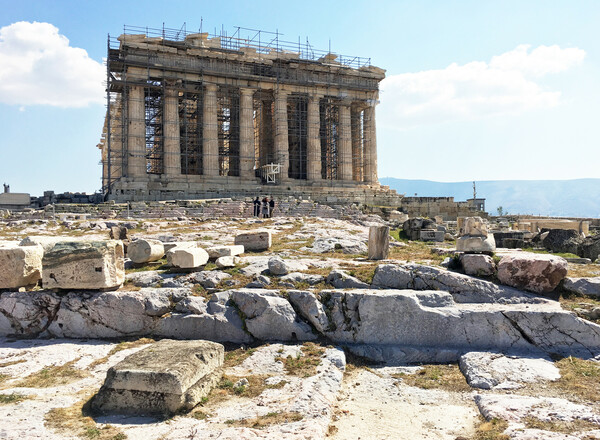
(271,206)
(265,208)
(256,207)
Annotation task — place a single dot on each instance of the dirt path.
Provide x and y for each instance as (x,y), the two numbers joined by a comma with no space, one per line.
(377,407)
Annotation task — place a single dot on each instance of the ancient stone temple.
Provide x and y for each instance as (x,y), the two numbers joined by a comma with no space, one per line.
(192,115)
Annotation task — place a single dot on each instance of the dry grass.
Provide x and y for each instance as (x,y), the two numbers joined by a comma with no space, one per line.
(9,363)
(124,345)
(490,430)
(237,356)
(560,425)
(155,265)
(415,251)
(272,418)
(7,399)
(579,378)
(4,378)
(583,270)
(444,377)
(74,420)
(364,272)
(572,301)
(305,363)
(53,376)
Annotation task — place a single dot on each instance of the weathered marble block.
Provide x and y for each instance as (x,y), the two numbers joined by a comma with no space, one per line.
(145,250)
(84,265)
(165,378)
(255,240)
(187,258)
(379,242)
(215,252)
(20,266)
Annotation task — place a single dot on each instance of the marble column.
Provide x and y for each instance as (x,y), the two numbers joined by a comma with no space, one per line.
(345,144)
(210,139)
(136,132)
(357,145)
(370,143)
(172,149)
(313,153)
(281,133)
(246,134)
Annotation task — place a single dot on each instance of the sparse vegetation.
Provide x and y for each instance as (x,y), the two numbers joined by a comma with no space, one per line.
(75,420)
(560,425)
(7,399)
(272,418)
(53,376)
(305,363)
(9,363)
(579,378)
(237,356)
(491,430)
(445,377)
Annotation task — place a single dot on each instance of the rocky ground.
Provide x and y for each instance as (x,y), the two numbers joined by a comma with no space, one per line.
(314,389)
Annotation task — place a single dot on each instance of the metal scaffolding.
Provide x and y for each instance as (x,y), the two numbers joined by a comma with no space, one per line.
(145,133)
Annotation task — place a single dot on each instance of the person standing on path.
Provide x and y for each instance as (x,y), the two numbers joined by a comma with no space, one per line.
(271,207)
(257,207)
(265,208)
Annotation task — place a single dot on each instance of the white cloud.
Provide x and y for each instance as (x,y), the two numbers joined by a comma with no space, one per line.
(38,67)
(505,85)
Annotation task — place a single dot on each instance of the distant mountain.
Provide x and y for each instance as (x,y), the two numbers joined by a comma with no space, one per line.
(564,198)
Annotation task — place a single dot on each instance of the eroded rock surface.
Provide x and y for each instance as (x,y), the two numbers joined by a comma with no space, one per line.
(535,272)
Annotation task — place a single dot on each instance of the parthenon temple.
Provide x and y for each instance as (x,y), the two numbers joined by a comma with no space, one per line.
(194,115)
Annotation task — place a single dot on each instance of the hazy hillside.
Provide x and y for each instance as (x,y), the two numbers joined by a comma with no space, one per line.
(567,198)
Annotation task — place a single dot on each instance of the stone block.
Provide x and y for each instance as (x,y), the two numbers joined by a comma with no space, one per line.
(187,258)
(20,266)
(379,242)
(165,378)
(255,240)
(226,262)
(431,235)
(477,264)
(535,272)
(48,242)
(145,250)
(215,252)
(475,227)
(84,265)
(476,244)
(179,245)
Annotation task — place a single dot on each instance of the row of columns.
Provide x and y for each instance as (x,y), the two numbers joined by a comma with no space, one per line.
(136,147)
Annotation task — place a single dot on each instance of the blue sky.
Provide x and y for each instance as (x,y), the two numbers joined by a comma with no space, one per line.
(475,90)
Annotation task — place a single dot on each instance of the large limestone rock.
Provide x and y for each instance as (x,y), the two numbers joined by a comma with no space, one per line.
(583,286)
(341,280)
(27,314)
(84,265)
(255,240)
(165,378)
(484,244)
(187,258)
(535,272)
(489,370)
(20,266)
(563,240)
(480,265)
(412,227)
(590,248)
(227,262)
(277,266)
(215,252)
(379,242)
(310,308)
(463,288)
(332,244)
(145,250)
(270,317)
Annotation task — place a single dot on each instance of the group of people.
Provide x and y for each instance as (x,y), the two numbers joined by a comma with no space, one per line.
(265,207)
